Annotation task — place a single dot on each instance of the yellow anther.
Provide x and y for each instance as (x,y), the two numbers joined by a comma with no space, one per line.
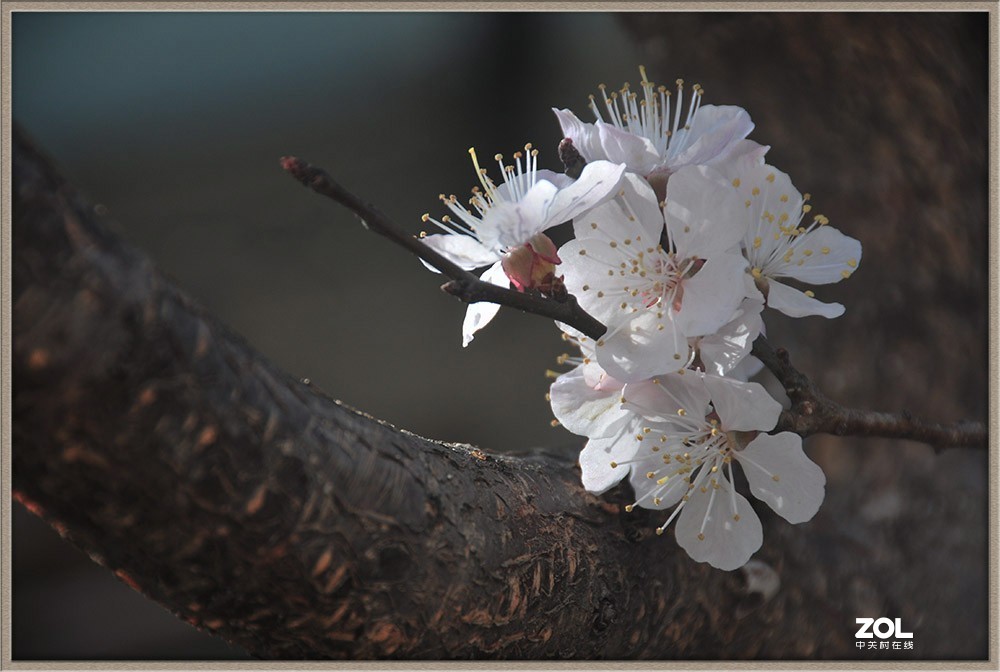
(756,243)
(554,423)
(852,263)
(663,480)
(701,537)
(755,191)
(681,412)
(775,478)
(628,508)
(770,177)
(614,465)
(825,250)
(784,198)
(736,182)
(845,274)
(809,293)
(755,272)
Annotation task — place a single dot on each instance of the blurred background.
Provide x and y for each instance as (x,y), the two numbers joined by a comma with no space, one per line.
(173,123)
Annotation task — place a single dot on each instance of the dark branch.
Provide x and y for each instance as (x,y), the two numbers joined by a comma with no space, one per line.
(463,284)
(812,412)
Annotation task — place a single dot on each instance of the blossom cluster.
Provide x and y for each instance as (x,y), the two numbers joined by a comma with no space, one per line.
(683,235)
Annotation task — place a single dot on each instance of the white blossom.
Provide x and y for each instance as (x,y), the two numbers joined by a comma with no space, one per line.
(502,219)
(654,135)
(657,277)
(785,241)
(695,427)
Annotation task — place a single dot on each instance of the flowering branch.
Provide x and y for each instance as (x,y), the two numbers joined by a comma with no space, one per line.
(812,412)
(463,284)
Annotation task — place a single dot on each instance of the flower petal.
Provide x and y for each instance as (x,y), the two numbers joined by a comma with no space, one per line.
(584,410)
(506,225)
(711,531)
(712,296)
(643,346)
(598,182)
(794,303)
(714,132)
(781,475)
(659,400)
(465,251)
(633,214)
(704,214)
(481,313)
(822,256)
(597,456)
(722,351)
(742,407)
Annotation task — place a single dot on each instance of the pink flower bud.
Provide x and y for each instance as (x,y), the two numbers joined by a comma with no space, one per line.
(532,265)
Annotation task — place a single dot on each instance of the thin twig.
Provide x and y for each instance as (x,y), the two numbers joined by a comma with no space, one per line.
(812,412)
(463,284)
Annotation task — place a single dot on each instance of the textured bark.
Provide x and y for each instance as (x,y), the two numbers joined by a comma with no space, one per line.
(256,507)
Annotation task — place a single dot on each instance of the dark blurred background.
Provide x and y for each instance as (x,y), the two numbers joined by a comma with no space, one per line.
(174,123)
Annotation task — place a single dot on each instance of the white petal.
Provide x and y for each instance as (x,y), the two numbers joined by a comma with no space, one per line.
(598,182)
(648,488)
(714,132)
(711,531)
(597,456)
(507,225)
(712,296)
(465,251)
(584,410)
(794,303)
(634,214)
(704,214)
(660,401)
(639,348)
(742,407)
(723,351)
(586,262)
(481,313)
(637,153)
(749,367)
(822,256)
(781,475)
(743,150)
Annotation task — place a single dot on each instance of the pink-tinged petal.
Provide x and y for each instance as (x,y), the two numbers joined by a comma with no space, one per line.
(722,351)
(598,182)
(482,313)
(634,213)
(643,346)
(465,251)
(780,474)
(794,303)
(598,455)
(822,256)
(712,296)
(711,531)
(742,407)
(586,411)
(704,214)
(714,132)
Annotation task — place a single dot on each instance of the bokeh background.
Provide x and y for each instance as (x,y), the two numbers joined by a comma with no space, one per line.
(173,123)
